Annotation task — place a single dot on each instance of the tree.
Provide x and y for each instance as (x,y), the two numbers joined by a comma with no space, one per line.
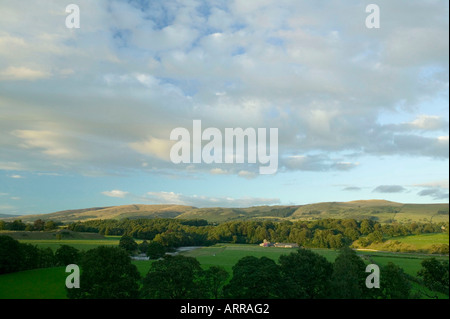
(11,259)
(435,274)
(66,255)
(38,225)
(255,278)
(143,247)
(307,274)
(394,283)
(174,277)
(348,278)
(106,273)
(128,243)
(366,226)
(17,225)
(46,258)
(155,250)
(30,256)
(49,225)
(214,280)
(375,237)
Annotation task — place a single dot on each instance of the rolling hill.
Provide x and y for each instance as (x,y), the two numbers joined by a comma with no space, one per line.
(114,212)
(380,210)
(7,216)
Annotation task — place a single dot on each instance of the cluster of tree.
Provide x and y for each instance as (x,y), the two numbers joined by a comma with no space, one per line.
(435,274)
(16,256)
(107,272)
(153,249)
(37,225)
(325,233)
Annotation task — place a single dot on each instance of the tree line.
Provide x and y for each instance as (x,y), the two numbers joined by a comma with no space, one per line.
(107,272)
(16,256)
(325,233)
(37,225)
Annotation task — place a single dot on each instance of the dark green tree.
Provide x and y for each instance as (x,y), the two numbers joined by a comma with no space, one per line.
(46,258)
(11,259)
(174,277)
(255,278)
(17,225)
(128,243)
(30,256)
(394,283)
(106,273)
(143,247)
(306,274)
(348,278)
(214,279)
(435,274)
(155,250)
(66,255)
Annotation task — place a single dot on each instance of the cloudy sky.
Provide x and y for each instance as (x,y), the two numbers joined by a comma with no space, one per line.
(86,113)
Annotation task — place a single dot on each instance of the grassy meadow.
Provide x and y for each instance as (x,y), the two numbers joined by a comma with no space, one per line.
(50,282)
(412,243)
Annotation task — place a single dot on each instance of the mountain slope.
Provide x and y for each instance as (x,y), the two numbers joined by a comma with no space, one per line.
(379,210)
(114,212)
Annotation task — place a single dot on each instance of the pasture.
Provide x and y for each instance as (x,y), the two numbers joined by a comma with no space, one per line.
(49,282)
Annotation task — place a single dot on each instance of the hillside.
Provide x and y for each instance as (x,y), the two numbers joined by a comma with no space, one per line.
(380,210)
(7,216)
(114,212)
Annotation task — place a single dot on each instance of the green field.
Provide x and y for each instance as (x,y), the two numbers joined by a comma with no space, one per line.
(424,241)
(49,282)
(80,244)
(46,283)
(411,243)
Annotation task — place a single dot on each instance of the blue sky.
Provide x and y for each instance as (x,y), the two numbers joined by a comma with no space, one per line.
(86,114)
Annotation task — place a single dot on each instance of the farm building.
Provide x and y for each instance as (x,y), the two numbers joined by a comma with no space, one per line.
(267,243)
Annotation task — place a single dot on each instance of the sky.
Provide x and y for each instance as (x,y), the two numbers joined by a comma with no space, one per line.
(86,113)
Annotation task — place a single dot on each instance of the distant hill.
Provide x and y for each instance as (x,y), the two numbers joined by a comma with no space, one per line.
(7,216)
(379,210)
(114,212)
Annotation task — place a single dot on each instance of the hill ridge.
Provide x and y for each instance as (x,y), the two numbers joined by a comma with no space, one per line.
(380,210)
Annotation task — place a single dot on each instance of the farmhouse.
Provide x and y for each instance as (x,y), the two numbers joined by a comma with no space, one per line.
(266,243)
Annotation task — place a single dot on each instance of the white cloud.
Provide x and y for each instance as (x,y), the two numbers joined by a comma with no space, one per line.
(115,193)
(429,122)
(49,142)
(247,174)
(207,201)
(159,148)
(218,171)
(136,70)
(22,73)
(435,184)
(320,162)
(11,166)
